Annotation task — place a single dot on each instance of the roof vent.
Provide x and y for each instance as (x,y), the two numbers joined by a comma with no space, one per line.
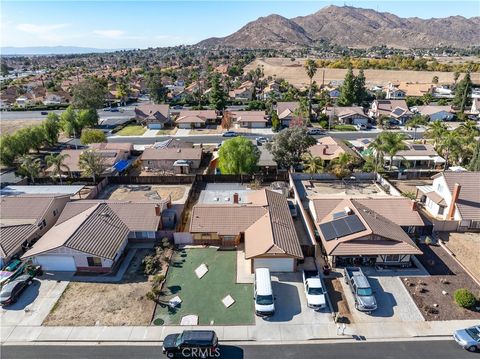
(215,199)
(348,210)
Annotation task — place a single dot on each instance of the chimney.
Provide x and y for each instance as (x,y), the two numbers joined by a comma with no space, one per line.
(157,210)
(413,205)
(235,198)
(455,194)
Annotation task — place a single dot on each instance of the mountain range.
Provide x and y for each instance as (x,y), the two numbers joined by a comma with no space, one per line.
(352,27)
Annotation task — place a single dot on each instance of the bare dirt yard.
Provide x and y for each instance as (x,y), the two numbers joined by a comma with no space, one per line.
(10,126)
(337,297)
(433,294)
(406,186)
(144,192)
(294,73)
(115,304)
(466,247)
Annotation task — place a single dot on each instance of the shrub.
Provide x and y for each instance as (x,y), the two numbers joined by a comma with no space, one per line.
(464,298)
(345,128)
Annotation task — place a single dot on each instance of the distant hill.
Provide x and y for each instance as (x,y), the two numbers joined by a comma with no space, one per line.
(50,50)
(353,27)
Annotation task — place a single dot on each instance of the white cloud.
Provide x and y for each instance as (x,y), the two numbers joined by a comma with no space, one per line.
(111,34)
(40,30)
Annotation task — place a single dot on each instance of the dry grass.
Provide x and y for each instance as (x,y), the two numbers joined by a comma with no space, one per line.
(466,247)
(294,73)
(10,126)
(142,193)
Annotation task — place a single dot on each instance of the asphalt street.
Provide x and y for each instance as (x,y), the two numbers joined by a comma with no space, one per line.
(445,349)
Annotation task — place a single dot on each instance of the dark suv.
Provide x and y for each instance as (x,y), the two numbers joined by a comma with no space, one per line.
(192,344)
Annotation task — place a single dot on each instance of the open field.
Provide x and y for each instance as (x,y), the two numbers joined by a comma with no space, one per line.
(10,126)
(124,303)
(294,73)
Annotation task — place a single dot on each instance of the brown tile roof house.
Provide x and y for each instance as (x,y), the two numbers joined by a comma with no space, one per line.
(415,89)
(347,115)
(366,227)
(125,147)
(250,118)
(154,116)
(264,221)
(285,110)
(329,148)
(91,235)
(390,108)
(176,160)
(25,218)
(196,118)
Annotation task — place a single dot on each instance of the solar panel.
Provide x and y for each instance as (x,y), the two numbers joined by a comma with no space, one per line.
(341,227)
(419,147)
(338,215)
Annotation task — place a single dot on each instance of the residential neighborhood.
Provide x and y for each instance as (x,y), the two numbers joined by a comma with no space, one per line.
(289,190)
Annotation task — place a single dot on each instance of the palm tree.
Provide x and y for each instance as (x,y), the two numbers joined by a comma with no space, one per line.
(414,123)
(57,162)
(469,129)
(435,131)
(449,145)
(31,166)
(311,69)
(340,166)
(92,164)
(313,164)
(391,143)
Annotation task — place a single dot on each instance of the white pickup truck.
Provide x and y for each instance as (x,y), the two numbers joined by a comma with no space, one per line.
(314,290)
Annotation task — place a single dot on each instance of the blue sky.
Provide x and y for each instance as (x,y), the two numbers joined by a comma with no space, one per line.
(138,24)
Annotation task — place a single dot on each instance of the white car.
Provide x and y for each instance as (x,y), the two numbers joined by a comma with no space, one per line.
(314,290)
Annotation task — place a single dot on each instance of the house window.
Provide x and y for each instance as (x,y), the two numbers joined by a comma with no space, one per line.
(441,210)
(55,212)
(42,224)
(392,258)
(94,261)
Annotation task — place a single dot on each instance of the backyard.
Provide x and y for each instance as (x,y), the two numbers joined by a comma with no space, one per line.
(145,192)
(115,304)
(132,130)
(203,297)
(466,247)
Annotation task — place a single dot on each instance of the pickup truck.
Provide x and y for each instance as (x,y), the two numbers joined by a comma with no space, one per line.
(314,290)
(361,289)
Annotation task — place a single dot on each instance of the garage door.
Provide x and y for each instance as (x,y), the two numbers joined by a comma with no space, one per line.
(57,263)
(274,264)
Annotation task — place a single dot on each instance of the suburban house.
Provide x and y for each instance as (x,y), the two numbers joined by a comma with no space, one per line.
(250,119)
(272,90)
(195,118)
(266,163)
(410,89)
(393,109)
(366,230)
(261,219)
(329,148)
(352,115)
(91,235)
(454,197)
(24,219)
(286,111)
(243,93)
(153,116)
(115,158)
(177,160)
(417,156)
(436,113)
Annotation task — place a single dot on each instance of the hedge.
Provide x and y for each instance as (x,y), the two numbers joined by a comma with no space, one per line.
(464,298)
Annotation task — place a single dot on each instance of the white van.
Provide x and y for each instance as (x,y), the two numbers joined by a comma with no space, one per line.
(264,300)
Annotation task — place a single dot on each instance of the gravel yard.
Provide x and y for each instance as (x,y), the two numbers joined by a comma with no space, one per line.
(466,247)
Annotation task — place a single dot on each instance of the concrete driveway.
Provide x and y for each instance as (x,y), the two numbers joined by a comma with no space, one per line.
(34,303)
(291,303)
(393,301)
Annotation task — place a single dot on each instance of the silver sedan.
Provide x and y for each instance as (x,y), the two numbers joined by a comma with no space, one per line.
(468,338)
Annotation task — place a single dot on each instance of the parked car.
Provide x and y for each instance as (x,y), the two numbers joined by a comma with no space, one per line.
(314,291)
(261,140)
(44,113)
(264,299)
(200,341)
(230,134)
(293,208)
(114,109)
(362,291)
(361,127)
(468,338)
(315,132)
(12,290)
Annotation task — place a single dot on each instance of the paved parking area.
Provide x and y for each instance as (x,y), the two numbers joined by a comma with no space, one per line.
(34,304)
(291,303)
(393,301)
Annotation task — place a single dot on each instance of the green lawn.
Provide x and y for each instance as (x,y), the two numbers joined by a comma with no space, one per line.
(203,297)
(132,130)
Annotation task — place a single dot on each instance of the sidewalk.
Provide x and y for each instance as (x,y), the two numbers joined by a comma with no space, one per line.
(282,333)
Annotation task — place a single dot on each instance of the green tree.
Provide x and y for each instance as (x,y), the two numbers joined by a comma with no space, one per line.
(449,146)
(30,166)
(435,131)
(156,90)
(218,97)
(475,161)
(92,136)
(123,90)
(342,165)
(360,89)
(463,92)
(275,121)
(89,94)
(57,164)
(92,164)
(87,118)
(435,79)
(311,69)
(238,156)
(51,127)
(70,122)
(390,143)
(427,98)
(289,146)
(313,164)
(415,122)
(347,91)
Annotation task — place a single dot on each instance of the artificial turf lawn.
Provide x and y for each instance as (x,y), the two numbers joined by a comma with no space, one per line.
(203,297)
